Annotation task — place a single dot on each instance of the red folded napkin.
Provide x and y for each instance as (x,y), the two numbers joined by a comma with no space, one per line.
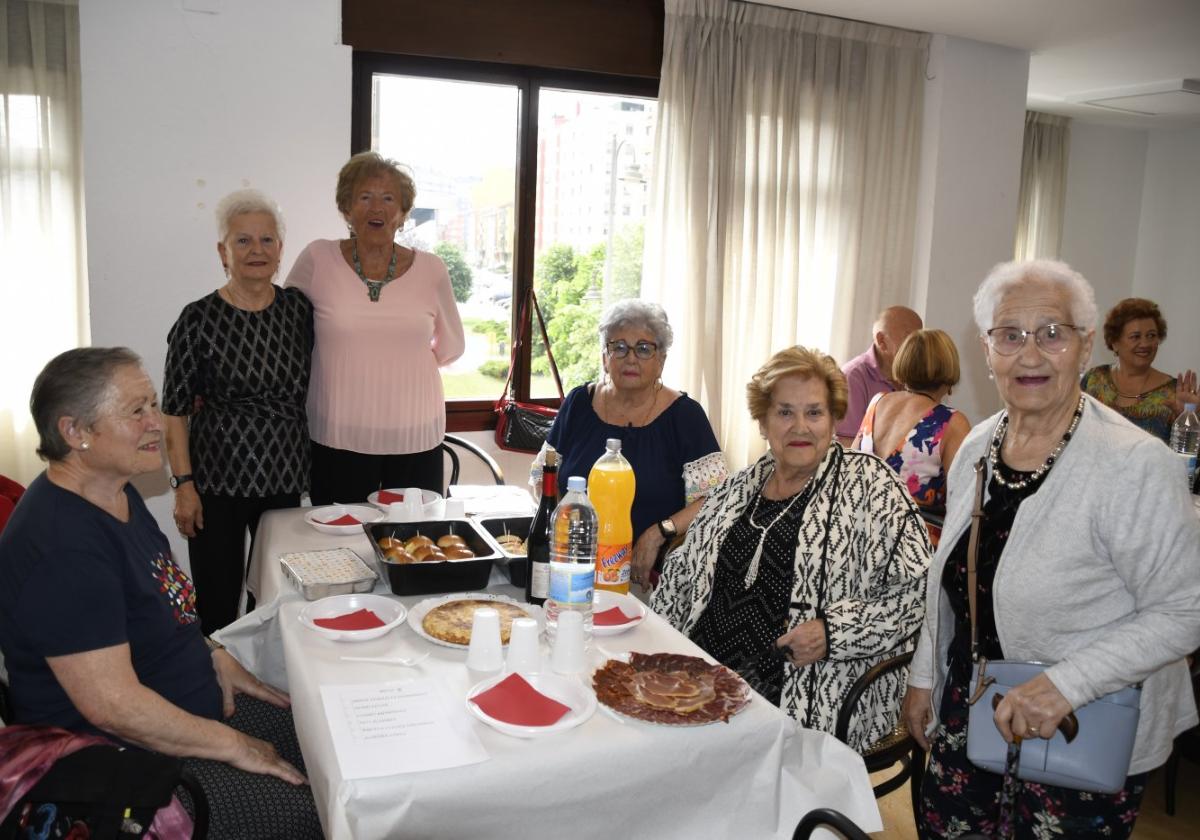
(344,519)
(363,619)
(513,700)
(611,617)
(386,497)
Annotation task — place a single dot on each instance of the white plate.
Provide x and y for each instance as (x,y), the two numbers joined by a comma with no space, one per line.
(605,599)
(429,500)
(320,518)
(567,691)
(417,614)
(390,612)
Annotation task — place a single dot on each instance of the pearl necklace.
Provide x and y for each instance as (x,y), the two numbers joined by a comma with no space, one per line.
(998,440)
(374,287)
(752,570)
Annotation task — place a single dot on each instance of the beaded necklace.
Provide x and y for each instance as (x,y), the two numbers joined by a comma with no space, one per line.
(752,569)
(998,440)
(374,287)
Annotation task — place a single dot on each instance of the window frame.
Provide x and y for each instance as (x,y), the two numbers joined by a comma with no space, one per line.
(479,414)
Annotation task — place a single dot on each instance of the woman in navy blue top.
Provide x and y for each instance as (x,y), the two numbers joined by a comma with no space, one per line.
(98,625)
(665,434)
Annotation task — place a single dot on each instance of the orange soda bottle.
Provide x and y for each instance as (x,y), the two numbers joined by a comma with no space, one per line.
(610,487)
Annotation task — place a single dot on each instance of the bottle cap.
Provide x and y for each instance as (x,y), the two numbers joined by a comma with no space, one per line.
(577,483)
(613,444)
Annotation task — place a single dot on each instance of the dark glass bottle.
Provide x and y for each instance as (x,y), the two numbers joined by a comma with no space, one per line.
(537,544)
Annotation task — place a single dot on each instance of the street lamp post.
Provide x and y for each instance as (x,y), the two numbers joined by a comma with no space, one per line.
(632,176)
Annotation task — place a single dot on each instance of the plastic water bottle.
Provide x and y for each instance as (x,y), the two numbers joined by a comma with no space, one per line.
(573,555)
(611,486)
(1185,440)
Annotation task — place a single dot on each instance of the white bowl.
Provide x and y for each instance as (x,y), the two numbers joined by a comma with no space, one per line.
(390,612)
(320,518)
(568,691)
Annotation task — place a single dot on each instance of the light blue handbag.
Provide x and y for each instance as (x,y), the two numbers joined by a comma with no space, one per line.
(1092,747)
(1096,759)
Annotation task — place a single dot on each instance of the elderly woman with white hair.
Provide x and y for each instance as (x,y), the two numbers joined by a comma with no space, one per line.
(665,434)
(1087,558)
(234,397)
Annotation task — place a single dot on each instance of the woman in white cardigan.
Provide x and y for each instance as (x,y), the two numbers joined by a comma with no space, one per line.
(1089,558)
(806,568)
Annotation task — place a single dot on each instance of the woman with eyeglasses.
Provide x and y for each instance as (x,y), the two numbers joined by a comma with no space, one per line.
(1088,558)
(1142,394)
(665,434)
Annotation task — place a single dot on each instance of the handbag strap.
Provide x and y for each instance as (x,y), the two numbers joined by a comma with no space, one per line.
(973,554)
(530,298)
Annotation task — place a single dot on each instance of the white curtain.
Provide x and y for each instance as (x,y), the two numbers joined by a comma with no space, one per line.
(783,202)
(1043,186)
(43,293)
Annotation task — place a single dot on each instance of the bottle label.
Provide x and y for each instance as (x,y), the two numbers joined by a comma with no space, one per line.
(571,583)
(613,564)
(539,584)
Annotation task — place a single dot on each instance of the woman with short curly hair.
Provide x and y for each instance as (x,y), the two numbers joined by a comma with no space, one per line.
(386,321)
(1139,392)
(807,568)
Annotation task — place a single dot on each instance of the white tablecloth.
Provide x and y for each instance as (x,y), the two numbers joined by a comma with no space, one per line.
(752,777)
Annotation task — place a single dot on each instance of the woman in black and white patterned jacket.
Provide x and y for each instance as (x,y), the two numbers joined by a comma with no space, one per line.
(808,567)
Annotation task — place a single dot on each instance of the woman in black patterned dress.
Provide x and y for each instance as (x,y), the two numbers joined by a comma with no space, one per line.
(234,397)
(806,568)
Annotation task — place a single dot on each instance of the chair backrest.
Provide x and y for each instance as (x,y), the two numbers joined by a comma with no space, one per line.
(450,446)
(828,817)
(850,703)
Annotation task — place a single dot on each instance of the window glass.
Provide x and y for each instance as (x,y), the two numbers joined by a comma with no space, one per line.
(462,154)
(594,165)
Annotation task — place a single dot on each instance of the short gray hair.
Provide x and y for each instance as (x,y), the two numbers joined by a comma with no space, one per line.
(1004,276)
(633,312)
(76,384)
(247,201)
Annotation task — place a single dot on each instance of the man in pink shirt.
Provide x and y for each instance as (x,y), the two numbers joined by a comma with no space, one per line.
(870,373)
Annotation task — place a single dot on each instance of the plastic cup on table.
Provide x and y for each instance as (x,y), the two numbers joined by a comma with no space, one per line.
(413,508)
(396,512)
(485,655)
(524,655)
(567,654)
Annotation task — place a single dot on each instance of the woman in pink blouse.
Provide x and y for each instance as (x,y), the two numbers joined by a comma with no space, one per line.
(385,321)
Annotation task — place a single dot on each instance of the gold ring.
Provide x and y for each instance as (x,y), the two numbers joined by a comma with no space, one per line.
(1034,731)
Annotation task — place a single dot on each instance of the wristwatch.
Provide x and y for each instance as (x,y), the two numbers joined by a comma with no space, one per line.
(667,529)
(176,480)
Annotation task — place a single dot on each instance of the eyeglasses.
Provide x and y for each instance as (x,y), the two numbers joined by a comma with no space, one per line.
(620,349)
(1051,338)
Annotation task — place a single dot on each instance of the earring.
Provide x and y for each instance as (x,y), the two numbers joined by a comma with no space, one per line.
(85,446)
(991,373)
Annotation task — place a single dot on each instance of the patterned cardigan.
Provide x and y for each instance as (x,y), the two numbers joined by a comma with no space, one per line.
(861,560)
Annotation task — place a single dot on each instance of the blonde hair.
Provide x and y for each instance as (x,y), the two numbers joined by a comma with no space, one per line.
(366,165)
(797,361)
(926,361)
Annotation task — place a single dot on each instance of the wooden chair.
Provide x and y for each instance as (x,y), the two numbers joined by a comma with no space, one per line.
(450,445)
(1187,745)
(897,747)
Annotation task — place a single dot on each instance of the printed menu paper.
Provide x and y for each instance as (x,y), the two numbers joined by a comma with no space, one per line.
(380,729)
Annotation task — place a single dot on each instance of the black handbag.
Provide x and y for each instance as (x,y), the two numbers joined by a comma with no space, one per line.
(523,426)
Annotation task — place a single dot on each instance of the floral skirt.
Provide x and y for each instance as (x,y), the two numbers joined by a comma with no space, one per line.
(958,798)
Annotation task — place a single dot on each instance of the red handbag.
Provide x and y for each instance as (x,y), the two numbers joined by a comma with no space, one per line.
(522,426)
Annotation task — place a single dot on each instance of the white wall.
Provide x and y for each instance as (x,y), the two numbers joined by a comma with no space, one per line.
(1103,204)
(1168,252)
(180,108)
(974,121)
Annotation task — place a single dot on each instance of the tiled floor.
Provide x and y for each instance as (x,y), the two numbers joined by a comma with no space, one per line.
(1153,824)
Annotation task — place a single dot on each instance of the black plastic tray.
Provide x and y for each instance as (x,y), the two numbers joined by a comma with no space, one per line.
(516,566)
(434,578)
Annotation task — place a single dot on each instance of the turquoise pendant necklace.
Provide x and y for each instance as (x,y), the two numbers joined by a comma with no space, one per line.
(374,287)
